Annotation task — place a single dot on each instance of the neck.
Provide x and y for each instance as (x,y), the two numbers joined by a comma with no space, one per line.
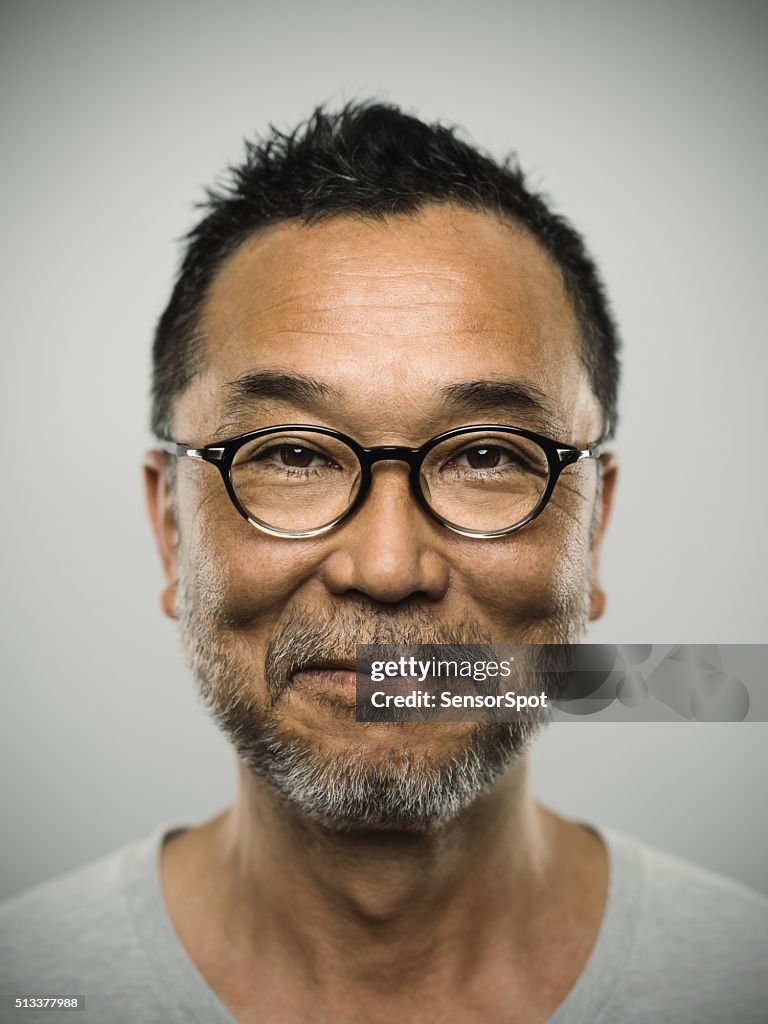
(383,876)
(368,910)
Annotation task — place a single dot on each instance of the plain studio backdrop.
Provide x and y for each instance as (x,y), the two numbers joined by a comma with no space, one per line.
(644,122)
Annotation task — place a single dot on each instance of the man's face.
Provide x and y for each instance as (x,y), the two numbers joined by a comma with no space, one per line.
(376,330)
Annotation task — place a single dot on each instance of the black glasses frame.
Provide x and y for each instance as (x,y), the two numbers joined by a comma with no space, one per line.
(222,453)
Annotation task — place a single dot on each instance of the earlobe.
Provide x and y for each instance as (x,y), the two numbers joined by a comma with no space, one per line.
(168,600)
(597,602)
(162,517)
(609,468)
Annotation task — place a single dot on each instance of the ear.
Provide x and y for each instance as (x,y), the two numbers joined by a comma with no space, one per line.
(163,520)
(609,469)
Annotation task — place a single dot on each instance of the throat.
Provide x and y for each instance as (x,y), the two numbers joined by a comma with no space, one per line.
(259,897)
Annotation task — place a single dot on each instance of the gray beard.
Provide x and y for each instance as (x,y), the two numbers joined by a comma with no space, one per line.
(406,789)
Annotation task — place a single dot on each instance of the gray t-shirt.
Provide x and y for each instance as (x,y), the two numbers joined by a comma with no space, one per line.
(677,945)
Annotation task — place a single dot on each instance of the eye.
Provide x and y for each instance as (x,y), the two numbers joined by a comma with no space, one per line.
(483,457)
(295,456)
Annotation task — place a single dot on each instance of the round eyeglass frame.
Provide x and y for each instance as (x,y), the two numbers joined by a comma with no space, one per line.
(222,453)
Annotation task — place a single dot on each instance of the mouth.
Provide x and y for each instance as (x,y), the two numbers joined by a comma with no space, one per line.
(338,673)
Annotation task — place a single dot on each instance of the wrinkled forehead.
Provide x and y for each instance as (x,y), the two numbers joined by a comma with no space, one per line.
(388,320)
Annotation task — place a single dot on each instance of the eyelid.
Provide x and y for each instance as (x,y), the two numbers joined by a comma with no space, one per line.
(288,442)
(257,444)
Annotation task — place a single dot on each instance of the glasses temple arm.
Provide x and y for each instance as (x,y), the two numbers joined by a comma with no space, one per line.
(206,454)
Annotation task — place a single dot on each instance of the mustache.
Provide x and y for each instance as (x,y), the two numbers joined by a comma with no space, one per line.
(307,637)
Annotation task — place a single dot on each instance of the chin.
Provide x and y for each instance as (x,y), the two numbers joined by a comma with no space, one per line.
(397,779)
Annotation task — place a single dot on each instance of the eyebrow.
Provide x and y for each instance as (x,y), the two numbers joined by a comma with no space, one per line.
(276,385)
(512,395)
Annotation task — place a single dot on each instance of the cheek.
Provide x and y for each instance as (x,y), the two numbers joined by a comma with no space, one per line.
(533,575)
(241,576)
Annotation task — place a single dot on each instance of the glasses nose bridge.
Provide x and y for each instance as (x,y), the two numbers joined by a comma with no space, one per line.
(391,453)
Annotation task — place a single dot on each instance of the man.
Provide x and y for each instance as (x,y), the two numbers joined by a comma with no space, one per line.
(380,390)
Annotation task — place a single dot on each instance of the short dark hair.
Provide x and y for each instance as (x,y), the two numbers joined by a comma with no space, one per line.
(369,159)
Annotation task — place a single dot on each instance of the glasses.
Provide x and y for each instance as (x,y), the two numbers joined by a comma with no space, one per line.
(299,480)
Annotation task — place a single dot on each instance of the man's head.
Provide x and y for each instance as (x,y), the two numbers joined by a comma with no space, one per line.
(374,275)
(369,160)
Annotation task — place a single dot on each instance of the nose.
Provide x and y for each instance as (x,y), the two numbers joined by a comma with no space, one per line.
(390,549)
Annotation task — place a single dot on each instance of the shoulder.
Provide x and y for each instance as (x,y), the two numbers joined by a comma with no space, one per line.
(689,899)
(698,939)
(77,927)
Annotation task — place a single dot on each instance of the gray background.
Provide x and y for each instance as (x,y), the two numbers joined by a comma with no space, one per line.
(644,121)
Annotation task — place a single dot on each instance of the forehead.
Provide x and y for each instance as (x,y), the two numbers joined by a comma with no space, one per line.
(389,314)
